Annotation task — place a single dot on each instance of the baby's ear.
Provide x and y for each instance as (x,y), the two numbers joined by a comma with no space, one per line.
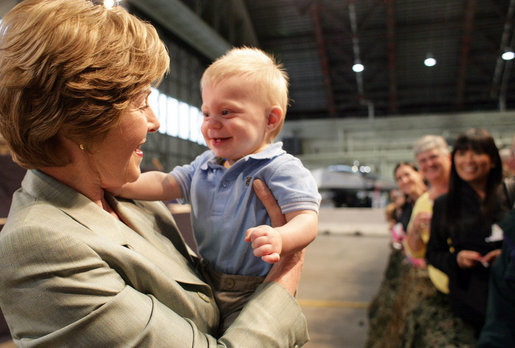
(275,116)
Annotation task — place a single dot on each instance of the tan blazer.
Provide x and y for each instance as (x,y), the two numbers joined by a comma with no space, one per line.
(72,275)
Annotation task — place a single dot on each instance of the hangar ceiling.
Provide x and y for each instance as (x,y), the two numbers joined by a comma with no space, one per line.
(318,42)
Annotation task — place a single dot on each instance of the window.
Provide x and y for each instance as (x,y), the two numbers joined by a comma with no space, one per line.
(178,119)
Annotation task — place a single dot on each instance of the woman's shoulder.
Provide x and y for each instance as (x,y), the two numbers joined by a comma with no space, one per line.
(423,203)
(33,226)
(36,224)
(29,213)
(506,192)
(507,224)
(36,237)
(440,202)
(442,198)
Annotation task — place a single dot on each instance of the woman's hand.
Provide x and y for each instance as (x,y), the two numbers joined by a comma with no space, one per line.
(287,271)
(489,258)
(468,258)
(421,223)
(267,198)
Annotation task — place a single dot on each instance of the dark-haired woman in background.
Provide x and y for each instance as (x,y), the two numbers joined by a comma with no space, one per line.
(464,239)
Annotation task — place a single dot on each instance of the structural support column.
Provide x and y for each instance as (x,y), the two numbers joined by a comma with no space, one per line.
(357,59)
(322,54)
(392,71)
(501,75)
(470,8)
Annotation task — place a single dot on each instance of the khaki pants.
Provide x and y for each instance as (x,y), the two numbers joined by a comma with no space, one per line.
(231,293)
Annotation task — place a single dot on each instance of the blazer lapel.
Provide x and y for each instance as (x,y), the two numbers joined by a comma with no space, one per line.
(74,204)
(149,220)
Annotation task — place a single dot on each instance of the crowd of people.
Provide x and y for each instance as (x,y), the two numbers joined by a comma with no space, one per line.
(456,216)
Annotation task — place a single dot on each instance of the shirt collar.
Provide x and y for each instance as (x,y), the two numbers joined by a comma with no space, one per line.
(271,151)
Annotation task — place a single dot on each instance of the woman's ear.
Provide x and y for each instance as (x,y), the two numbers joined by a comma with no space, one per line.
(275,116)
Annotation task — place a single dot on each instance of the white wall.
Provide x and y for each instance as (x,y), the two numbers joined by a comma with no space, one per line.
(382,142)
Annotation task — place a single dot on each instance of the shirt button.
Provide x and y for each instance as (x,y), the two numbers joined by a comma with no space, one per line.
(203,297)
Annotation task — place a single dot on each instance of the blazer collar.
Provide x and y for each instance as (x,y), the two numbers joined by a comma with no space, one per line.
(150,219)
(74,204)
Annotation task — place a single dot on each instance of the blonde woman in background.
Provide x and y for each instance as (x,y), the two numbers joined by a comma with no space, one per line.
(434,160)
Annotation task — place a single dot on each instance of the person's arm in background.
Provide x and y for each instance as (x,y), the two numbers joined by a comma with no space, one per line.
(413,243)
(438,252)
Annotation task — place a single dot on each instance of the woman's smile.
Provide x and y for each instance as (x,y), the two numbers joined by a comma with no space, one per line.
(138,151)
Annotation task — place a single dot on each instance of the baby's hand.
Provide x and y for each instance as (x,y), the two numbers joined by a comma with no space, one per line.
(266,242)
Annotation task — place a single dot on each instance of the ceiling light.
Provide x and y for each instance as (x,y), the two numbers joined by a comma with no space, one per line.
(508,54)
(429,61)
(358,67)
(111,3)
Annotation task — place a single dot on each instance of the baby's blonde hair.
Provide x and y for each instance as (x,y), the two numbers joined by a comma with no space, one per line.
(257,67)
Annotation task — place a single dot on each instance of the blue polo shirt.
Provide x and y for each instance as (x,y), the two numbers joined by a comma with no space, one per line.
(224,206)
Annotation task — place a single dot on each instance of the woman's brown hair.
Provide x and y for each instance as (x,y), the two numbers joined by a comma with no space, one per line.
(69,68)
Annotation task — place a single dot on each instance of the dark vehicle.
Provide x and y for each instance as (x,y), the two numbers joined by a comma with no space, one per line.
(351,186)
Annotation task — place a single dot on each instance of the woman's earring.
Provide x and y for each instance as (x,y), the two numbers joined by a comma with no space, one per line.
(82,147)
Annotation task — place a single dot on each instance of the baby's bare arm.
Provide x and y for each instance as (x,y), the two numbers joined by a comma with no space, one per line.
(270,243)
(152,186)
(300,230)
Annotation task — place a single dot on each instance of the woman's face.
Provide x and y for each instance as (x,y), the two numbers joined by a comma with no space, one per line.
(117,159)
(408,179)
(434,165)
(473,167)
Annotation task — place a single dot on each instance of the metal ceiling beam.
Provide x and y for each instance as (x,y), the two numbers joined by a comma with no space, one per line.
(392,72)
(247,30)
(183,22)
(322,53)
(357,59)
(468,22)
(499,76)
(355,45)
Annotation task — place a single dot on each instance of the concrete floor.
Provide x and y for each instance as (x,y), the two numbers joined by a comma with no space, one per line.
(343,270)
